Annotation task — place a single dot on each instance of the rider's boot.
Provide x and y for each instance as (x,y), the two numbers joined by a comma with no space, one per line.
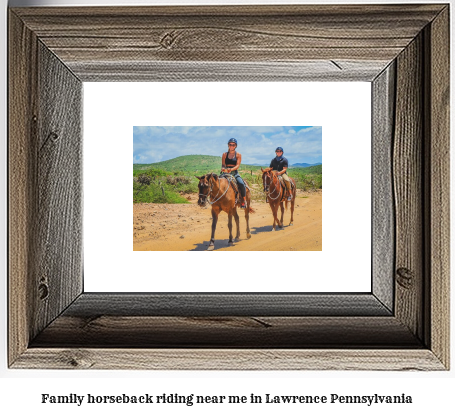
(243,205)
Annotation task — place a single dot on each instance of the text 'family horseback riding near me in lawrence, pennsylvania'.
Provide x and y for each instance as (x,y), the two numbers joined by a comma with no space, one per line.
(227,188)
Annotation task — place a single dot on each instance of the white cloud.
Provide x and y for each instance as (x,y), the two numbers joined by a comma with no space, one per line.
(256,144)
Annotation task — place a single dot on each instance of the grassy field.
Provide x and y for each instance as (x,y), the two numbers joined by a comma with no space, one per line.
(169,181)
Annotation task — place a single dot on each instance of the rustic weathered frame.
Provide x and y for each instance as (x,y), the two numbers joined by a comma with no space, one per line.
(403,50)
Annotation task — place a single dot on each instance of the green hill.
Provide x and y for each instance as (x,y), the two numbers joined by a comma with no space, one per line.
(185,164)
(189,164)
(308,170)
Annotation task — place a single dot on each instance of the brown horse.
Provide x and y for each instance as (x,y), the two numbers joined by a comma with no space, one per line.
(275,195)
(219,193)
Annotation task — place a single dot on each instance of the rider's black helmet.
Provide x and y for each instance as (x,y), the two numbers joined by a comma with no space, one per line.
(279,149)
(232,140)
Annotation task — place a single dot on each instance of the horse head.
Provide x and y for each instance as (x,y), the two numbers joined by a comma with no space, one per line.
(204,190)
(266,179)
(205,186)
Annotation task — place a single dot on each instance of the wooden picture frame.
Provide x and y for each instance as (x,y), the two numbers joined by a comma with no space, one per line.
(403,324)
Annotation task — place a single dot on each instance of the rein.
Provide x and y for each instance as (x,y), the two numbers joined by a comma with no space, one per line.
(270,193)
(210,191)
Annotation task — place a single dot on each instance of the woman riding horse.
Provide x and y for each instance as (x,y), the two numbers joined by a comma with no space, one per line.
(217,191)
(230,163)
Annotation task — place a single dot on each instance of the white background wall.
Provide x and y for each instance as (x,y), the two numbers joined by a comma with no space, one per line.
(343,109)
(20,391)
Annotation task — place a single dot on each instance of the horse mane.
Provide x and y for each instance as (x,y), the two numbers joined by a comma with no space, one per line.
(211,174)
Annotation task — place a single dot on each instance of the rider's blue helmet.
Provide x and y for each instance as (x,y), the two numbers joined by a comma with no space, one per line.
(279,149)
(232,140)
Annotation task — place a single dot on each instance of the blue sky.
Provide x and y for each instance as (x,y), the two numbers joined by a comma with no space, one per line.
(256,144)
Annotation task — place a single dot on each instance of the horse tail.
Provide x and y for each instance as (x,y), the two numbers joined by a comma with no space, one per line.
(251,210)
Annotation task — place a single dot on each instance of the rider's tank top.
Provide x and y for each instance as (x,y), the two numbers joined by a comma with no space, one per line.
(231,162)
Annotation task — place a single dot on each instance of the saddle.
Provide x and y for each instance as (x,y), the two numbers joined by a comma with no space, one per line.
(282,182)
(233,183)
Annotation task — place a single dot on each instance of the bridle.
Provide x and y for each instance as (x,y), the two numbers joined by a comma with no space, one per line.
(208,195)
(276,187)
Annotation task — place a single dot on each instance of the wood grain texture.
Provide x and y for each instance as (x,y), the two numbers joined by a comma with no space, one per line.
(408,188)
(227,34)
(58,209)
(439,190)
(44,187)
(383,215)
(236,359)
(21,173)
(214,305)
(306,70)
(257,332)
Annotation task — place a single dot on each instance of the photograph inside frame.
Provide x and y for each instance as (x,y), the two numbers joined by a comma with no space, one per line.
(227,188)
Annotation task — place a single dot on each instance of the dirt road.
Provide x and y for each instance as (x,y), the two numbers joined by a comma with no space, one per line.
(177,227)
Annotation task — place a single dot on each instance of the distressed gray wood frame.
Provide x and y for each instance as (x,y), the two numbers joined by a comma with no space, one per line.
(403,324)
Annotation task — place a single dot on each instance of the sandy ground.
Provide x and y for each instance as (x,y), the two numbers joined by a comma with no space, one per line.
(165,227)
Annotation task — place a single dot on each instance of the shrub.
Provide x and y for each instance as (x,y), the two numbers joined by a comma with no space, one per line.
(174,180)
(143,179)
(155,193)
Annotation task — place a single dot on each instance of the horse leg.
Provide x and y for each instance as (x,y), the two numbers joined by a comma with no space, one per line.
(275,216)
(247,219)
(292,208)
(212,238)
(247,215)
(230,227)
(237,224)
(282,215)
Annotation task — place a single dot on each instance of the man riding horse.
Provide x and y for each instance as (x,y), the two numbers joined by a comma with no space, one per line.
(280,165)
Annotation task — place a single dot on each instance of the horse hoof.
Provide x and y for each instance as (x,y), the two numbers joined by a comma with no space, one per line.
(237,239)
(273,229)
(249,236)
(230,242)
(291,224)
(211,248)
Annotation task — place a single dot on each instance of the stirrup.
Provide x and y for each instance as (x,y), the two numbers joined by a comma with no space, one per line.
(243,205)
(289,198)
